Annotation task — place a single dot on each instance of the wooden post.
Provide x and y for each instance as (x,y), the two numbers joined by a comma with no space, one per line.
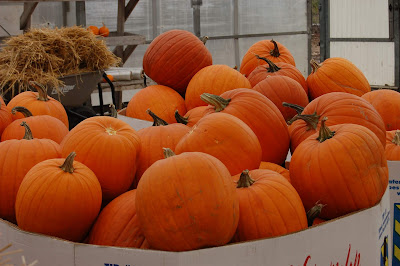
(25,19)
(80,13)
(120,26)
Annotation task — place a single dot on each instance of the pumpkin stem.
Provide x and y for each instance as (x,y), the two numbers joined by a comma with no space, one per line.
(275,52)
(272,67)
(396,138)
(314,65)
(22,110)
(41,90)
(68,165)
(181,119)
(235,67)
(157,121)
(218,102)
(168,153)
(311,120)
(324,132)
(113,111)
(314,212)
(28,133)
(299,109)
(245,179)
(204,39)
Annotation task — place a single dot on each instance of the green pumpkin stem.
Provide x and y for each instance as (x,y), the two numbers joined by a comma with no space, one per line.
(272,67)
(168,153)
(299,109)
(68,165)
(396,138)
(21,110)
(157,121)
(28,133)
(314,65)
(245,180)
(311,120)
(41,91)
(275,52)
(324,132)
(218,102)
(314,213)
(181,119)
(113,111)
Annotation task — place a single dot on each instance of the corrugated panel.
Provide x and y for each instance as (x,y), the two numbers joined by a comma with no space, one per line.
(359,19)
(374,59)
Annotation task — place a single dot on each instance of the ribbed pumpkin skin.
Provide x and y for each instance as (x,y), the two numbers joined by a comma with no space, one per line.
(387,103)
(225,137)
(5,116)
(109,147)
(153,140)
(263,48)
(261,72)
(53,202)
(160,99)
(174,57)
(280,212)
(263,118)
(352,162)
(187,202)
(17,157)
(118,224)
(392,150)
(337,74)
(340,108)
(29,100)
(281,89)
(195,114)
(42,127)
(276,168)
(215,79)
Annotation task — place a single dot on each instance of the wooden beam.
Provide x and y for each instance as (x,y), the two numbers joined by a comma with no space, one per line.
(24,20)
(129,8)
(119,50)
(127,52)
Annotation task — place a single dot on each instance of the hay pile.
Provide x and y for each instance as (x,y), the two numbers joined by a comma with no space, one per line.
(44,55)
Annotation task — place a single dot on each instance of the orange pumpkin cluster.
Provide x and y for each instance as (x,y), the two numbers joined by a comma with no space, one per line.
(210,169)
(102,31)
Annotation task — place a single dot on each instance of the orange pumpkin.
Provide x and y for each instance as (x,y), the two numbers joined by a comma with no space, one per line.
(17,157)
(104,31)
(215,79)
(93,29)
(336,74)
(225,137)
(5,116)
(160,99)
(42,127)
(174,57)
(59,197)
(186,202)
(261,216)
(273,50)
(109,147)
(392,149)
(192,116)
(276,168)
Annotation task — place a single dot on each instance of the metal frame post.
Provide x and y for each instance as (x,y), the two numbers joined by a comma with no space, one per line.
(236,31)
(196,4)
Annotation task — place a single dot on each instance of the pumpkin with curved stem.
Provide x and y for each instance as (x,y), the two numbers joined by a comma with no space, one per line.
(280,212)
(118,224)
(186,202)
(192,116)
(49,200)
(336,74)
(160,99)
(392,149)
(276,69)
(215,79)
(260,114)
(39,103)
(5,116)
(273,50)
(174,57)
(387,103)
(93,29)
(109,147)
(17,157)
(281,89)
(104,31)
(225,137)
(276,168)
(42,126)
(343,167)
(341,108)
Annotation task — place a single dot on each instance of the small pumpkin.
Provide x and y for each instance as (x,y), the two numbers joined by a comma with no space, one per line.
(104,31)
(192,116)
(93,29)
(276,168)
(392,149)
(5,116)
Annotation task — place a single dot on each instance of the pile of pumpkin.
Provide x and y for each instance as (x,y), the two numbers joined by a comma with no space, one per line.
(210,171)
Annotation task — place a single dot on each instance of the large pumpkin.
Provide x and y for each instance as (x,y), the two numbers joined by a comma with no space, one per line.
(192,116)
(225,137)
(343,167)
(17,157)
(215,79)
(42,127)
(392,149)
(109,147)
(261,115)
(276,168)
(336,74)
(160,99)
(273,50)
(59,197)
(280,212)
(174,57)
(5,116)
(186,202)
(387,103)
(341,108)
